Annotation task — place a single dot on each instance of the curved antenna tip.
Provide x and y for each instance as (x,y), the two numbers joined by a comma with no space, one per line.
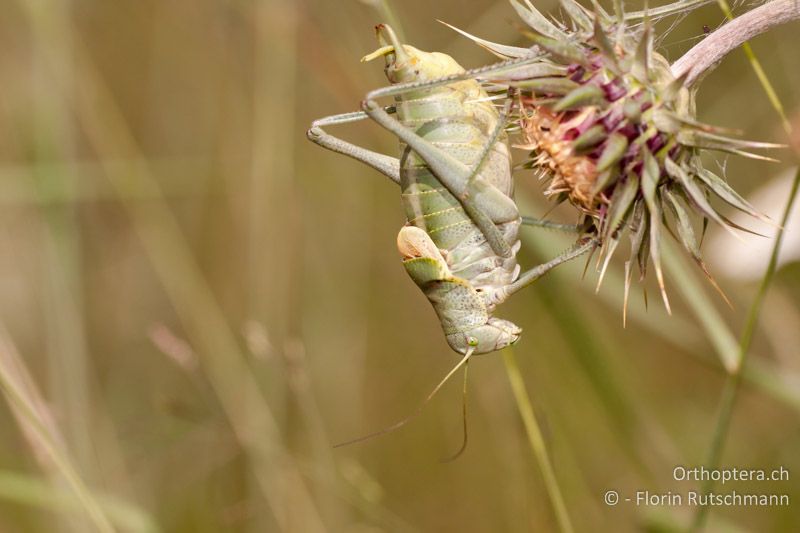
(406,420)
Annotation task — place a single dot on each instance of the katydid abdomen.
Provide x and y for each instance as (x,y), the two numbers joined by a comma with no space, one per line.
(458,270)
(431,207)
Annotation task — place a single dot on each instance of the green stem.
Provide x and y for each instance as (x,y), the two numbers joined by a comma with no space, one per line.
(734,379)
(536,440)
(760,74)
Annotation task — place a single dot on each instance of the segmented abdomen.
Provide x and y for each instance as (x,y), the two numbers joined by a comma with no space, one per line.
(460,121)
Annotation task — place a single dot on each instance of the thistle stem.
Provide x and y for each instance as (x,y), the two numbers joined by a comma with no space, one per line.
(710,51)
(536,440)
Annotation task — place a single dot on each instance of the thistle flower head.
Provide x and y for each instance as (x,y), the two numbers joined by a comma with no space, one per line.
(614,132)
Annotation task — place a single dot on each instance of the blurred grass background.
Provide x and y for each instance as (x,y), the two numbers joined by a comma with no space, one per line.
(197,302)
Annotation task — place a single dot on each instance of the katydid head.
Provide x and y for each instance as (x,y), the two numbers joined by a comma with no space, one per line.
(404,63)
(494,335)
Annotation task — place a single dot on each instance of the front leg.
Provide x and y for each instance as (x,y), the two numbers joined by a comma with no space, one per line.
(498,71)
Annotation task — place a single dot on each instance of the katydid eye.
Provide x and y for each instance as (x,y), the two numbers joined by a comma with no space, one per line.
(472,341)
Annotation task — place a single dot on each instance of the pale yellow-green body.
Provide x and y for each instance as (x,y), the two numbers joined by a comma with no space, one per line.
(466,279)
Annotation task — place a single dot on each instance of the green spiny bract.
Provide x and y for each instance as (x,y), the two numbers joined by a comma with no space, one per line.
(615,134)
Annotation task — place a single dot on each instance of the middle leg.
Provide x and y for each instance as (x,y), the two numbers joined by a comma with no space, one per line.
(528,277)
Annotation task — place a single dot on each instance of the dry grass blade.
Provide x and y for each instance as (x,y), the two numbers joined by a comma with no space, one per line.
(184,283)
(536,441)
(27,490)
(36,423)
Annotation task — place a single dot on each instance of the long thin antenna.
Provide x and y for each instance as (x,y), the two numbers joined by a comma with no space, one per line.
(463,417)
(403,422)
